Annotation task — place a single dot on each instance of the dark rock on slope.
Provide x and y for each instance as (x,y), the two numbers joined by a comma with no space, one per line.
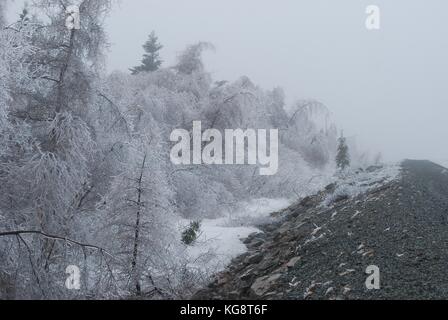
(319,252)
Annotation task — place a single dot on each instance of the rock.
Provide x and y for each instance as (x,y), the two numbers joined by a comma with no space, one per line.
(295,213)
(310,290)
(250,238)
(347,290)
(277,236)
(263,285)
(287,238)
(256,243)
(329,291)
(240,259)
(223,279)
(249,274)
(279,214)
(270,228)
(234,295)
(282,269)
(342,197)
(254,259)
(330,188)
(307,202)
(268,263)
(285,228)
(373,168)
(292,263)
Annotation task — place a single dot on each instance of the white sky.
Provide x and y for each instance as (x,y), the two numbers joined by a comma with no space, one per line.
(389,88)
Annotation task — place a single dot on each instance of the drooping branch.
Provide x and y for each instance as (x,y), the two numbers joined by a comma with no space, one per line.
(33,268)
(53,237)
(120,117)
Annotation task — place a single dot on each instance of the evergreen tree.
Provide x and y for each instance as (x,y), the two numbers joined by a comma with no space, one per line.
(24,16)
(151,60)
(342,157)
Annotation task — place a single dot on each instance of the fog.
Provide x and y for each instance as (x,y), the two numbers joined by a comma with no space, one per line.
(386,87)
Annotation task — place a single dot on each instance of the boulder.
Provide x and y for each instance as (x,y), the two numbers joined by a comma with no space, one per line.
(293,262)
(264,284)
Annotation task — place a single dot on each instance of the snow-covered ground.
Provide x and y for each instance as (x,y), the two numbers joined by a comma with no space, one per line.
(220,239)
(442,162)
(353,184)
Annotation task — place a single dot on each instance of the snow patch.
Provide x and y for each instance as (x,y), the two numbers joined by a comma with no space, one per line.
(220,239)
(443,163)
(353,184)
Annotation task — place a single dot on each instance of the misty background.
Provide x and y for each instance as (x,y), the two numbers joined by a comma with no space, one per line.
(387,88)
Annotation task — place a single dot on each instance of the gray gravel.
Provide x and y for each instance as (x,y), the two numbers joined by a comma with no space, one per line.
(322,253)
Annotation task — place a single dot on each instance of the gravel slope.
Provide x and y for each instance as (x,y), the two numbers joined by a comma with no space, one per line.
(318,252)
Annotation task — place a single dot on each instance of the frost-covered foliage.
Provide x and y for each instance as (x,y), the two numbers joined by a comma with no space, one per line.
(48,85)
(190,60)
(85,174)
(175,98)
(354,183)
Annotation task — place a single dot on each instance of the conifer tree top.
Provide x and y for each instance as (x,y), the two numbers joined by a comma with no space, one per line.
(151,59)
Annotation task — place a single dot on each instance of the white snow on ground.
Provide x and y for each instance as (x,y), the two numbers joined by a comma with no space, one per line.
(353,184)
(442,162)
(221,239)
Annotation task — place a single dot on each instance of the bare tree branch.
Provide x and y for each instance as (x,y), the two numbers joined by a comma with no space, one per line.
(49,236)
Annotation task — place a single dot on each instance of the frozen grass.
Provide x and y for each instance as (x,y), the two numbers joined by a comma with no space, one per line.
(352,184)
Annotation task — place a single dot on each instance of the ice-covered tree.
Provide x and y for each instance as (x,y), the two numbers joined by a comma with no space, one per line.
(342,156)
(138,210)
(151,59)
(190,60)
(50,90)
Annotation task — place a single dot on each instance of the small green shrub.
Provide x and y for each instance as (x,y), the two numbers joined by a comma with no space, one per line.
(191,233)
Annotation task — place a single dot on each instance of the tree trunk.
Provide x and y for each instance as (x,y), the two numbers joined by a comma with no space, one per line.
(135,274)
